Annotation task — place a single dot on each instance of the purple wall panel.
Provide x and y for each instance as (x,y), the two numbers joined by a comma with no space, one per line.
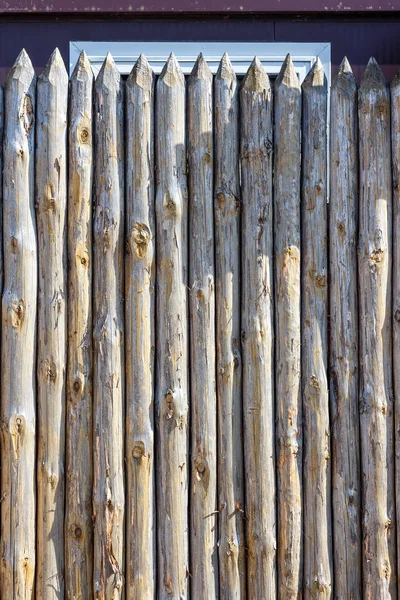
(358,39)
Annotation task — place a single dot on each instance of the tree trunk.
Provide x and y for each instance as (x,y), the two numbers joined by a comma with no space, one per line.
(18,343)
(108,336)
(258,331)
(79,449)
(172,389)
(51,210)
(140,340)
(344,368)
(287,157)
(314,327)
(375,304)
(203,491)
(229,382)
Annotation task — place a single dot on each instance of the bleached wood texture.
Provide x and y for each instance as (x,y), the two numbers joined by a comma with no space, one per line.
(172,388)
(344,367)
(108,336)
(139,322)
(51,208)
(1,185)
(79,405)
(203,491)
(287,157)
(232,565)
(375,304)
(18,347)
(395,121)
(257,325)
(317,525)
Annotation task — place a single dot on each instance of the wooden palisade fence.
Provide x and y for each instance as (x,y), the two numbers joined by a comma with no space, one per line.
(200,383)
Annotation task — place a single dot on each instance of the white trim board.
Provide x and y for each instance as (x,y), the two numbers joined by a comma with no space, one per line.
(271,55)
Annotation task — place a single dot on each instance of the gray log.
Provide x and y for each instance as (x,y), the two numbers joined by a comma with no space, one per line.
(317,524)
(344,366)
(375,305)
(257,326)
(203,491)
(79,449)
(172,389)
(51,211)
(287,164)
(140,340)
(108,336)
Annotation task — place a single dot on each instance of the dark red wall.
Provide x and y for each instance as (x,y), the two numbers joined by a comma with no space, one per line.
(357,36)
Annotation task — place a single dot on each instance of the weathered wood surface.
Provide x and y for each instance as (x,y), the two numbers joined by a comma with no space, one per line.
(1,185)
(257,325)
(140,338)
(51,209)
(108,336)
(287,167)
(375,304)
(18,344)
(172,387)
(344,366)
(317,524)
(79,405)
(395,130)
(232,565)
(203,491)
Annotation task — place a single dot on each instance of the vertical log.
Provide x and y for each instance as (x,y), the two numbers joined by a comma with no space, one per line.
(287,157)
(139,323)
(1,185)
(203,497)
(314,328)
(18,344)
(108,335)
(79,463)
(172,393)
(51,205)
(375,303)
(258,331)
(395,103)
(227,264)
(344,370)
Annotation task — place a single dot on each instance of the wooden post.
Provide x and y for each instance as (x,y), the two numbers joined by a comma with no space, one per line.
(140,340)
(172,390)
(18,344)
(395,113)
(79,449)
(287,157)
(375,304)
(314,328)
(203,491)
(108,335)
(51,204)
(229,381)
(344,367)
(258,331)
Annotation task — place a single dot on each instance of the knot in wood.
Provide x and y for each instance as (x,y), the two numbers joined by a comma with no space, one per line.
(84,135)
(315,383)
(397,315)
(138,450)
(141,237)
(78,532)
(14,245)
(26,113)
(376,256)
(18,313)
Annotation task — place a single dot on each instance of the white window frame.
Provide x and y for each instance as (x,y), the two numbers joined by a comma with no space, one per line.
(271,55)
(241,54)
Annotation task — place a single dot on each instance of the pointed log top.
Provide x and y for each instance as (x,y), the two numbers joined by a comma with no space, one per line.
(395,81)
(315,76)
(109,76)
(172,74)
(141,74)
(54,71)
(225,69)
(344,79)
(256,79)
(287,75)
(21,67)
(373,77)
(201,69)
(83,68)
